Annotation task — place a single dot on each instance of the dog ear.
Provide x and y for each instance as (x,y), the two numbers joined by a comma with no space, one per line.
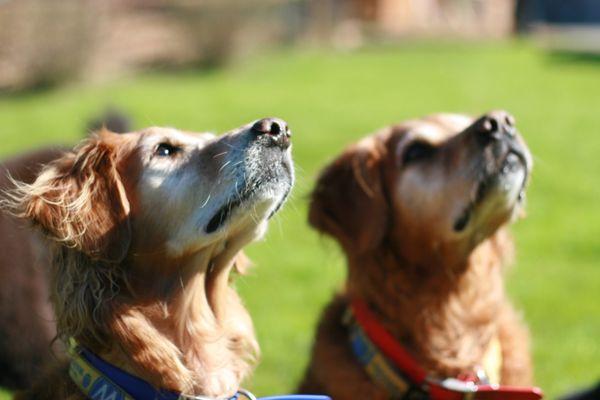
(79,200)
(348,201)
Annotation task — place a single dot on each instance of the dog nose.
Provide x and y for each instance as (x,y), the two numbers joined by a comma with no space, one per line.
(277,129)
(494,126)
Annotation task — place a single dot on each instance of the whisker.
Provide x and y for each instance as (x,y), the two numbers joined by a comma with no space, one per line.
(232,146)
(539,161)
(206,201)
(220,154)
(224,165)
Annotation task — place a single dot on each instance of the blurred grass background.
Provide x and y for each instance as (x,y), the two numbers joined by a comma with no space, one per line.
(333,98)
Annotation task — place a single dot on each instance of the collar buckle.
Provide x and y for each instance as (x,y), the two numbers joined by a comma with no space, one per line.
(455,385)
(245,394)
(241,394)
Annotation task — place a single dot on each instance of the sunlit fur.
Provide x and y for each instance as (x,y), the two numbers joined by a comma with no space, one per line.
(439,291)
(134,276)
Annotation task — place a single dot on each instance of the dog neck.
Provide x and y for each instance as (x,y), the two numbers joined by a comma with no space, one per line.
(189,332)
(447,319)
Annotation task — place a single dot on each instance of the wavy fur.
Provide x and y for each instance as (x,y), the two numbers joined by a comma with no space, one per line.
(181,328)
(438,292)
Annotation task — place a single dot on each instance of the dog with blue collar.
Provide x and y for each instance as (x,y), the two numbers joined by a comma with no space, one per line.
(99,380)
(146,231)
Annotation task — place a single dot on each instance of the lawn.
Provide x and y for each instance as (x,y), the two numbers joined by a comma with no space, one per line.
(332,98)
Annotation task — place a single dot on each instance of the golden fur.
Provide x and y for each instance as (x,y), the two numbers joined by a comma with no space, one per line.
(136,277)
(435,285)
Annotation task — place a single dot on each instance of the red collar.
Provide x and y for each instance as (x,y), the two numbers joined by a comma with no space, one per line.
(370,337)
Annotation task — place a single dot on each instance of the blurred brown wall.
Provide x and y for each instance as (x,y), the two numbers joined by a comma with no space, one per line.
(455,18)
(48,42)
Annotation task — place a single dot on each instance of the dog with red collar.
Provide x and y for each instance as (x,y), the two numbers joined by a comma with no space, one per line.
(420,210)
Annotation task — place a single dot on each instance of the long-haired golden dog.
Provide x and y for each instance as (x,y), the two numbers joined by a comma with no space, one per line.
(146,229)
(420,210)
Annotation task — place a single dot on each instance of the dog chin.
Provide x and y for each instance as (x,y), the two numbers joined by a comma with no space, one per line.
(499,196)
(257,201)
(508,189)
(263,203)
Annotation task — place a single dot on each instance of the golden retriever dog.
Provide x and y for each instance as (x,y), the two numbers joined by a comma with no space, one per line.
(420,209)
(146,229)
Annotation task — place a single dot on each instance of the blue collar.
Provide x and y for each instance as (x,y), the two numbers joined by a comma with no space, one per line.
(99,380)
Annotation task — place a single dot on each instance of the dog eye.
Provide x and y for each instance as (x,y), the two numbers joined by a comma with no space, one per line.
(166,150)
(417,151)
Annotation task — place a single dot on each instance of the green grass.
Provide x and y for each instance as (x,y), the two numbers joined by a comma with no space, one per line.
(331,99)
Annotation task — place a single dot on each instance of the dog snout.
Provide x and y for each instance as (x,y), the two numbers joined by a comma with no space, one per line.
(274,128)
(494,126)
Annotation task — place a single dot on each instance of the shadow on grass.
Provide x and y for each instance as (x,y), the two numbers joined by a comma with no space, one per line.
(39,88)
(569,57)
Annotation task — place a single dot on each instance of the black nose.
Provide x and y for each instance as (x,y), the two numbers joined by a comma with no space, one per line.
(275,128)
(493,126)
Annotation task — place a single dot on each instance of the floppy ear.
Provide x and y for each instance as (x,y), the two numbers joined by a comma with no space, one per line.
(80,201)
(348,202)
